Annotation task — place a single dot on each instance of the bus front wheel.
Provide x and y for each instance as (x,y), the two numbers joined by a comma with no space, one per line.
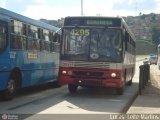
(72,88)
(129,82)
(120,91)
(9,93)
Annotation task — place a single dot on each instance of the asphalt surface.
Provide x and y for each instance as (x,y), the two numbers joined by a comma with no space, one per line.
(58,103)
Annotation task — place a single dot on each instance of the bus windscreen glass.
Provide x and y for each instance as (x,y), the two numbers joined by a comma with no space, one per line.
(94,44)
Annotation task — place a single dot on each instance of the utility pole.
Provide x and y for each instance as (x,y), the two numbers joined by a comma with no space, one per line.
(136,7)
(81,7)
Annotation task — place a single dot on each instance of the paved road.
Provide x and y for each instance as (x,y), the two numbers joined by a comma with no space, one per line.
(86,103)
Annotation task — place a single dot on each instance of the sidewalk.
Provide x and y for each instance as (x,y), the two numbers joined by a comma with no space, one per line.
(145,104)
(149,101)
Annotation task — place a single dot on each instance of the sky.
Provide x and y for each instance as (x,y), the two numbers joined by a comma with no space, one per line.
(57,9)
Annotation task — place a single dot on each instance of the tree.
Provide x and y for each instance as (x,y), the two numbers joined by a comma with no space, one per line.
(140,14)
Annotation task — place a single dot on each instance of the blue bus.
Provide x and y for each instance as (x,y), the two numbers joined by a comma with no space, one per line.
(29,52)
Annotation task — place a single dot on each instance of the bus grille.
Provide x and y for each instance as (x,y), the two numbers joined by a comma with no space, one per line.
(91,64)
(89,83)
(88,73)
(86,64)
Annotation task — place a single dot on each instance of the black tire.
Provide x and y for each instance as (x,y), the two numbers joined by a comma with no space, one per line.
(120,91)
(10,92)
(129,82)
(72,88)
(54,84)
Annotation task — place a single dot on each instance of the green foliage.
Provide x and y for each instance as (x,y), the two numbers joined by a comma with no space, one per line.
(155,35)
(144,47)
(149,42)
(56,23)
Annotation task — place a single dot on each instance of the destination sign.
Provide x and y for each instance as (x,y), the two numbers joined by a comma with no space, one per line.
(99,22)
(93,21)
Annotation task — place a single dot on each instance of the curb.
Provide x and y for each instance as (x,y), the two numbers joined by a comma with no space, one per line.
(128,105)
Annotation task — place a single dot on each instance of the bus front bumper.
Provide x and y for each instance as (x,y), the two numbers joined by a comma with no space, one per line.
(116,83)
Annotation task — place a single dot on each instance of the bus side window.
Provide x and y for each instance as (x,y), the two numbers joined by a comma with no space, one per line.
(18,35)
(56,42)
(39,33)
(55,37)
(47,45)
(14,42)
(24,44)
(36,44)
(56,46)
(24,29)
(126,40)
(2,38)
(40,37)
(51,34)
(18,42)
(42,47)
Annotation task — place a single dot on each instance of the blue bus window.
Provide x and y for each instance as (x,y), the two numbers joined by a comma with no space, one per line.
(24,43)
(13,42)
(2,37)
(24,29)
(17,42)
(35,45)
(17,27)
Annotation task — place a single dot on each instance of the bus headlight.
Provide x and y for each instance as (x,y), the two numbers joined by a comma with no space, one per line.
(64,72)
(69,72)
(113,75)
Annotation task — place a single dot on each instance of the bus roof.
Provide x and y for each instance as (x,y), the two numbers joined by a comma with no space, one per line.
(22,18)
(92,17)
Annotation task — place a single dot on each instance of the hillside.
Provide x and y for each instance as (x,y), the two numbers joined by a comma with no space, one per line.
(146,29)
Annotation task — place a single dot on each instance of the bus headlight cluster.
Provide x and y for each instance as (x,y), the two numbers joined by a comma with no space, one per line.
(69,72)
(113,75)
(64,72)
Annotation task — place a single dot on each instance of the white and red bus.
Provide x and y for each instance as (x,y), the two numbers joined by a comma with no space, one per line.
(97,52)
(158,56)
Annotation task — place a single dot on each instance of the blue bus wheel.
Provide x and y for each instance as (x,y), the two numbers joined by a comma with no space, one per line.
(11,90)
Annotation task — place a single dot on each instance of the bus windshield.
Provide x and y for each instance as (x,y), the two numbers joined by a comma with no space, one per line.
(93,44)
